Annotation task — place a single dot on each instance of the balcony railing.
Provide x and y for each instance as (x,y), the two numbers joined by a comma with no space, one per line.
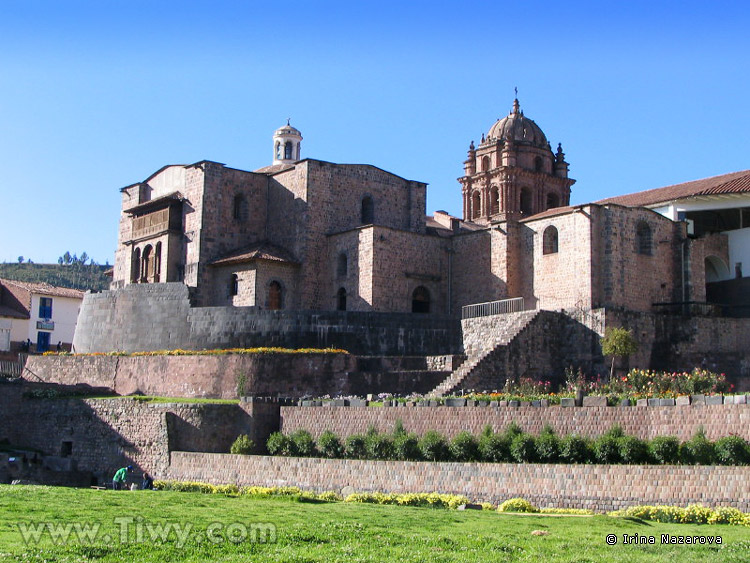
(514,305)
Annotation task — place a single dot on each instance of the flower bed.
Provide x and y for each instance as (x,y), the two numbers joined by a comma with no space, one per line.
(217,352)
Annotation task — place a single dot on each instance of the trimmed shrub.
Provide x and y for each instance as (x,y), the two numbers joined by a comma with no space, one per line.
(523,448)
(606,449)
(398,428)
(280,444)
(696,514)
(242,445)
(512,430)
(698,450)
(303,443)
(615,431)
(329,445)
(434,447)
(547,445)
(379,446)
(731,450)
(517,505)
(355,447)
(464,447)
(574,449)
(494,447)
(665,449)
(406,447)
(728,515)
(632,450)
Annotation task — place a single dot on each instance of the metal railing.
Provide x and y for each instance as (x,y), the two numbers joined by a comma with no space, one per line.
(514,305)
(10,370)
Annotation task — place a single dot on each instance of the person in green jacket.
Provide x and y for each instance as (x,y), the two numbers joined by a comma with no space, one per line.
(120,477)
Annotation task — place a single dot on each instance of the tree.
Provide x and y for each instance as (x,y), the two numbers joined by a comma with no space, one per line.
(20,259)
(618,342)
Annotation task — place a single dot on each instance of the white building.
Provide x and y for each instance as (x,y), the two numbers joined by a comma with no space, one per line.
(38,312)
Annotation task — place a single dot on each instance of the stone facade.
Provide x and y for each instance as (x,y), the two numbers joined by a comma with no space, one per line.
(596,487)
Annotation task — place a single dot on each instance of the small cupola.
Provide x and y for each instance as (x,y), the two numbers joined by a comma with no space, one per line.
(286,144)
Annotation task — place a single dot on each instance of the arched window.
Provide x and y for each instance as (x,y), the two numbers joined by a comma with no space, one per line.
(278,150)
(234,285)
(420,300)
(298,152)
(135,266)
(288,151)
(526,201)
(157,263)
(485,163)
(274,296)
(538,164)
(553,200)
(368,210)
(494,201)
(342,266)
(239,208)
(147,265)
(549,240)
(476,205)
(643,239)
(341,299)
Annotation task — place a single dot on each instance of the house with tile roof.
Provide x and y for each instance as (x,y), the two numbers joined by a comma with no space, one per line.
(37,312)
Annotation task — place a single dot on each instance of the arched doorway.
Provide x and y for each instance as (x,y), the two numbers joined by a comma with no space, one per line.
(274,296)
(420,300)
(341,300)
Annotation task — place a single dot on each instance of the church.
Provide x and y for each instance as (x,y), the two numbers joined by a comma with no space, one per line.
(306,234)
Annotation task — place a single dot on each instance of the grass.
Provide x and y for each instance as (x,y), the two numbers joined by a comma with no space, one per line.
(336,532)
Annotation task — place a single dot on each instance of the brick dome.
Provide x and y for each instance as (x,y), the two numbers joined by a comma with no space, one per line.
(519,129)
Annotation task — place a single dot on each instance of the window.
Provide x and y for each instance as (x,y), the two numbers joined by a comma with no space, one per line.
(341,299)
(526,201)
(278,150)
(147,265)
(552,201)
(643,239)
(234,285)
(549,240)
(494,201)
(135,266)
(288,151)
(368,210)
(420,300)
(157,263)
(485,163)
(274,296)
(45,307)
(239,208)
(342,266)
(538,164)
(476,205)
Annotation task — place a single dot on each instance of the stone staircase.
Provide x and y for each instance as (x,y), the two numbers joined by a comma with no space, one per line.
(486,340)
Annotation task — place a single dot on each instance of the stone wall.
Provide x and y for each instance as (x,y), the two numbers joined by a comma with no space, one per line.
(596,487)
(644,422)
(159,316)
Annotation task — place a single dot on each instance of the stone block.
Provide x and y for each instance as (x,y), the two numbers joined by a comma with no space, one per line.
(682,400)
(666,402)
(455,402)
(544,403)
(653,402)
(594,401)
(740,399)
(434,403)
(514,403)
(625,403)
(525,403)
(729,399)
(536,403)
(714,400)
(494,403)
(697,399)
(567,402)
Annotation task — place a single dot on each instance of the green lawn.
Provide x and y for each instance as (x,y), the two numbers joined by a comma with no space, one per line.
(312,532)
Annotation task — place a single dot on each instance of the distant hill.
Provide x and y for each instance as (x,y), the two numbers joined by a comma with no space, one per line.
(77,276)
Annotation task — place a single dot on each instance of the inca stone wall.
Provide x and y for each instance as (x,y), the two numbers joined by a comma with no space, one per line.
(644,422)
(596,487)
(142,317)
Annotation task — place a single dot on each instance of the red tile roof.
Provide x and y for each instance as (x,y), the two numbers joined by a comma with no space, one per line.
(259,251)
(40,288)
(733,183)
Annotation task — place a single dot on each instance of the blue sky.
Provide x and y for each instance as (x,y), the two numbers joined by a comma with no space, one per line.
(98,95)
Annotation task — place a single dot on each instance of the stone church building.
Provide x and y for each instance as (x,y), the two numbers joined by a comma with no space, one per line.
(305,234)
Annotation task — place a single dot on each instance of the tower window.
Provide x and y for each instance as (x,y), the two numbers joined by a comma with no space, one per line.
(274,296)
(135,266)
(538,164)
(239,208)
(234,285)
(368,211)
(485,163)
(549,240)
(342,266)
(278,150)
(288,151)
(341,299)
(476,207)
(420,300)
(494,201)
(526,201)
(147,265)
(643,239)
(552,201)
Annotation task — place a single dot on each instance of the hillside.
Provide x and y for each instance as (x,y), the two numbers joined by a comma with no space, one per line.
(76,276)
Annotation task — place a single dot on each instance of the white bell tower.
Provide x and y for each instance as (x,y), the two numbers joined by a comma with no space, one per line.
(286,145)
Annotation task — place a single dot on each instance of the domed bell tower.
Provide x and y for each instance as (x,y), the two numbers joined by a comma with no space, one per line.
(513,173)
(287,142)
